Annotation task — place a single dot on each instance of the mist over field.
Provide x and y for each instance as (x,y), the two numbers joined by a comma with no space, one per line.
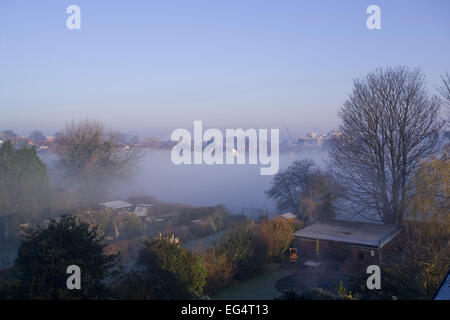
(239,187)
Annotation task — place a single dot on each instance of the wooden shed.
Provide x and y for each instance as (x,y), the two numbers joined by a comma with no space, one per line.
(359,244)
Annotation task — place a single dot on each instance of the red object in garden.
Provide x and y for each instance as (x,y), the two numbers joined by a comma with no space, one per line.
(293,254)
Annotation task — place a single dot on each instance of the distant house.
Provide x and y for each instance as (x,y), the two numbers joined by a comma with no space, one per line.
(358,244)
(117,205)
(289,216)
(142,210)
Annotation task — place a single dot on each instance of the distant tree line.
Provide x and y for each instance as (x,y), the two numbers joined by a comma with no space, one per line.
(89,161)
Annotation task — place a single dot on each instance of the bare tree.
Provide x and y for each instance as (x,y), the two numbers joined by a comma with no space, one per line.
(92,159)
(389,123)
(445,89)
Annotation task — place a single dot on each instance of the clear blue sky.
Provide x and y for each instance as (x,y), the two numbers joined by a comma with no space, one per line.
(152,66)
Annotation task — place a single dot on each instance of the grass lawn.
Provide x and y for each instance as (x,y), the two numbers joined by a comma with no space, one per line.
(259,287)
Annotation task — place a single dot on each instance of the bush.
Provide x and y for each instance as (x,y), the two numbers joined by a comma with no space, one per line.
(103,219)
(217,221)
(276,236)
(10,290)
(133,226)
(199,230)
(165,255)
(24,190)
(159,285)
(42,260)
(240,245)
(220,271)
(298,225)
(416,264)
(245,249)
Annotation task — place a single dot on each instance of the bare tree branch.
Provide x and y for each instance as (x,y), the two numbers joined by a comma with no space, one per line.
(389,123)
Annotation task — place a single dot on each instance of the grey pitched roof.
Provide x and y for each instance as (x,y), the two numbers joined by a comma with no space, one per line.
(119,204)
(288,215)
(358,233)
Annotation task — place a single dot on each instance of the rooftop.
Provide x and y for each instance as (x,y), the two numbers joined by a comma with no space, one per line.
(114,205)
(288,215)
(444,291)
(144,205)
(358,233)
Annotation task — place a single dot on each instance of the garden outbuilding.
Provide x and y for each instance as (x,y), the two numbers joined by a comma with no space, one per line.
(355,244)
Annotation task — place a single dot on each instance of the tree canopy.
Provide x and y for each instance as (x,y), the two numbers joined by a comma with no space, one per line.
(304,190)
(43,258)
(24,188)
(164,258)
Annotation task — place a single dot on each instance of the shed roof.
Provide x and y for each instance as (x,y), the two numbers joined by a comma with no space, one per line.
(444,291)
(144,205)
(358,233)
(119,204)
(288,215)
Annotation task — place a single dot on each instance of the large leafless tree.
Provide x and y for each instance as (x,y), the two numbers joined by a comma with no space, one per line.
(92,159)
(445,89)
(389,122)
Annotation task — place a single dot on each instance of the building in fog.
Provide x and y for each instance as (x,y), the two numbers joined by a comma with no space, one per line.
(117,205)
(289,216)
(143,210)
(355,245)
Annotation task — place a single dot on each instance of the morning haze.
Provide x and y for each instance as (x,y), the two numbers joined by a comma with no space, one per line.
(153,66)
(224,150)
